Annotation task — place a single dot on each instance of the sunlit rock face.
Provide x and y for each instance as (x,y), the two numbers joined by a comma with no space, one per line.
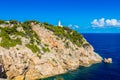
(108,60)
(33,50)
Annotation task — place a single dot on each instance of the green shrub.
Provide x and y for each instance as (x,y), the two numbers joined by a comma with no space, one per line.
(39,55)
(67,45)
(24,62)
(46,45)
(17,48)
(11,31)
(28,30)
(6,42)
(45,49)
(2,21)
(13,21)
(30,21)
(18,41)
(33,48)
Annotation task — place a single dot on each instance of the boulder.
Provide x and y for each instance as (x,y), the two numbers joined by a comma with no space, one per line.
(107,60)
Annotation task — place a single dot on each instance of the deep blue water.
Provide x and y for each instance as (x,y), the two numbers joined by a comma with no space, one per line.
(107,45)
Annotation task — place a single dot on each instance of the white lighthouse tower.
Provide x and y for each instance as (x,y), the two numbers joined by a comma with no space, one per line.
(59,24)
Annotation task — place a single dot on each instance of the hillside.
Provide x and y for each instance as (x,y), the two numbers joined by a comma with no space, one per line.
(31,50)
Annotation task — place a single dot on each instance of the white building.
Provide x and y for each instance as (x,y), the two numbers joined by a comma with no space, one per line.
(59,24)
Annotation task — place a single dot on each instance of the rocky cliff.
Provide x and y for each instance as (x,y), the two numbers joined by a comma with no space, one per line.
(31,50)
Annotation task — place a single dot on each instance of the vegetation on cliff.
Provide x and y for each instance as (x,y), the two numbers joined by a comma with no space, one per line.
(11,29)
(67,33)
(6,41)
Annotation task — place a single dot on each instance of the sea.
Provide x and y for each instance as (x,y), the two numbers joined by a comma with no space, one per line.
(106,45)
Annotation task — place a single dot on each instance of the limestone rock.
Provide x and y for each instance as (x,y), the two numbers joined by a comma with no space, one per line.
(19,62)
(109,60)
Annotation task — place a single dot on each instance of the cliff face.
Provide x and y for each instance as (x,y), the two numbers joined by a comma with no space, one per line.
(32,50)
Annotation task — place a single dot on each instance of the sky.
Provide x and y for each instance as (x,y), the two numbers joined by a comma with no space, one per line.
(85,16)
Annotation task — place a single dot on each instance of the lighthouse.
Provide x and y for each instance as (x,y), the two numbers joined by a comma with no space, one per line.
(59,24)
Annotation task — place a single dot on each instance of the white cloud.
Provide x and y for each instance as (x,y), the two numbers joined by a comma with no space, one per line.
(104,23)
(113,22)
(76,26)
(70,25)
(73,26)
(99,22)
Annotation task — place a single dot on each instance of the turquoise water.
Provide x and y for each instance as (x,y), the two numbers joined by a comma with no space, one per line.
(107,45)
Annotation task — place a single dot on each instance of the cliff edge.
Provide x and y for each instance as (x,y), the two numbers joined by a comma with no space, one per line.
(32,50)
